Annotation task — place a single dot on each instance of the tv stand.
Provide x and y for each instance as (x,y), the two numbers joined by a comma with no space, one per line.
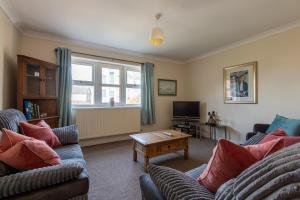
(187,125)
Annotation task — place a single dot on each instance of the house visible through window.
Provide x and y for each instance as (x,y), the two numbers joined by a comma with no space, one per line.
(95,82)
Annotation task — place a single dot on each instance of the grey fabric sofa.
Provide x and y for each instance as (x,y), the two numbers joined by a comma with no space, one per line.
(262,128)
(69,180)
(151,192)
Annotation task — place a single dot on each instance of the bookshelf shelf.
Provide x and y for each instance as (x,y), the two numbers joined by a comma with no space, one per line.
(36,97)
(42,118)
(32,76)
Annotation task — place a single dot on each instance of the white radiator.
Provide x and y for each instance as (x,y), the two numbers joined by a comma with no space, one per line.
(100,122)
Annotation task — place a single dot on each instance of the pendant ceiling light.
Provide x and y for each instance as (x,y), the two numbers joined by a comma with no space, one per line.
(156,36)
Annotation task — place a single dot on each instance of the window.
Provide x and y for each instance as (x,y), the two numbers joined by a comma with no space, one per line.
(133,86)
(82,72)
(83,91)
(95,82)
(110,84)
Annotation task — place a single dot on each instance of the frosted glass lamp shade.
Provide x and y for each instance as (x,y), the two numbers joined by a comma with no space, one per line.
(156,37)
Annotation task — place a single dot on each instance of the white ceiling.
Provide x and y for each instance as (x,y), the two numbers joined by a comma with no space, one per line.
(191,27)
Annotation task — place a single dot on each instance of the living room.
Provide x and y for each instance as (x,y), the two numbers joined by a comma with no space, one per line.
(180,52)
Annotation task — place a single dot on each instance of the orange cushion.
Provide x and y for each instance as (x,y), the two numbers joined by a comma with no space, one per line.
(280,133)
(30,154)
(10,138)
(229,160)
(40,131)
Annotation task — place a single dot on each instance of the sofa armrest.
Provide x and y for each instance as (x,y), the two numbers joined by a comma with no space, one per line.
(250,135)
(35,179)
(149,190)
(255,139)
(260,128)
(67,134)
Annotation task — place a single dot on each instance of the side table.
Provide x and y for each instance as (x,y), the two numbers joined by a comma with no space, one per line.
(213,130)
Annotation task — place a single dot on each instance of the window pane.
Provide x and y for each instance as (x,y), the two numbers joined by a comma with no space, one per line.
(133,77)
(133,96)
(82,72)
(110,76)
(82,94)
(109,92)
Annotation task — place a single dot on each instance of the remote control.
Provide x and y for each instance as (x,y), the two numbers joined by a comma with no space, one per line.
(166,133)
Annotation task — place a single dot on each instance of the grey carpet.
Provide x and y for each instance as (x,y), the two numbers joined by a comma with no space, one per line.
(114,176)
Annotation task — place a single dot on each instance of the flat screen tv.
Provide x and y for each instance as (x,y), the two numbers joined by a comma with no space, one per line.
(186,109)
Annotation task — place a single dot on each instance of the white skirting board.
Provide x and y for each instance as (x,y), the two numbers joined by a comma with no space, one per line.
(103,140)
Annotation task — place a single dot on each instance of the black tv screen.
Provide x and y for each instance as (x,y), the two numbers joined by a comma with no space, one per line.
(186,109)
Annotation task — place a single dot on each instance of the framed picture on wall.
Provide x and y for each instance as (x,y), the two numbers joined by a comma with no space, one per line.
(240,83)
(167,87)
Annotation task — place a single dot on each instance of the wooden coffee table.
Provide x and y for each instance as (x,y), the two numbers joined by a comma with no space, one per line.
(159,142)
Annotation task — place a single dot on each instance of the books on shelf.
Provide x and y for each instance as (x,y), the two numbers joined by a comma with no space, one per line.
(31,110)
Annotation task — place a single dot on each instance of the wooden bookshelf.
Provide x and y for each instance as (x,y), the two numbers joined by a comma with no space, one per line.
(37,83)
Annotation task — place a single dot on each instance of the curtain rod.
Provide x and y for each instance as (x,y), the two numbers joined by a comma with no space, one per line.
(86,54)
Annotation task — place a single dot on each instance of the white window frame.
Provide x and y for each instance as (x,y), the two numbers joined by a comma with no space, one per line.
(97,66)
(110,66)
(85,83)
(127,85)
(77,82)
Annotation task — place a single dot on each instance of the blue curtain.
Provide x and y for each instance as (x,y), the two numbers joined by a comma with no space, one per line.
(147,103)
(63,59)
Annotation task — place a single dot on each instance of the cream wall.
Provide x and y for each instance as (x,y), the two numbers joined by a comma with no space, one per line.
(9,41)
(44,49)
(278,76)
(278,58)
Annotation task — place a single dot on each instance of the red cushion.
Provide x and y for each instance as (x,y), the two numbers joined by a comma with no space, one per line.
(260,151)
(10,138)
(40,131)
(42,123)
(30,154)
(229,160)
(280,133)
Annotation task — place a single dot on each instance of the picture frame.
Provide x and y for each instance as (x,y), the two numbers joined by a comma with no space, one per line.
(240,84)
(167,87)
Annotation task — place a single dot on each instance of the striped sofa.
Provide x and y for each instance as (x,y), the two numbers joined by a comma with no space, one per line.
(69,180)
(275,177)
(150,191)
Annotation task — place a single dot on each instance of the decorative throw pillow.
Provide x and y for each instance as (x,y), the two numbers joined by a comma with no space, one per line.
(40,131)
(10,138)
(30,154)
(229,160)
(260,151)
(280,133)
(290,126)
(175,185)
(42,123)
(255,139)
(67,134)
(275,177)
